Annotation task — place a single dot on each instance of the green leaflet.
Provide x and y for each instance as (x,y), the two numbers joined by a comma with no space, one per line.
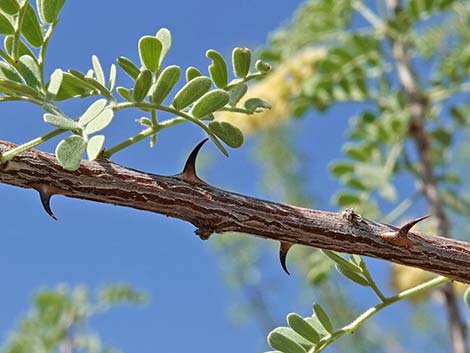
(323,317)
(92,111)
(237,93)
(165,83)
(23,50)
(72,87)
(128,66)
(49,9)
(303,328)
(100,122)
(31,29)
(29,70)
(94,147)
(210,102)
(192,72)
(218,69)
(241,61)
(112,77)
(346,198)
(150,51)
(192,91)
(13,88)
(338,259)
(142,85)
(98,69)
(228,133)
(284,343)
(54,83)
(353,276)
(256,105)
(340,169)
(10,7)
(6,26)
(124,93)
(61,122)
(164,36)
(8,72)
(69,152)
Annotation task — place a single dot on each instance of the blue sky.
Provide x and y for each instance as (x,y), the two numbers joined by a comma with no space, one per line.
(94,244)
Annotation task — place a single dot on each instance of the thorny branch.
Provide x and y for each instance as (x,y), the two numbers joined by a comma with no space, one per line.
(213,210)
(418,104)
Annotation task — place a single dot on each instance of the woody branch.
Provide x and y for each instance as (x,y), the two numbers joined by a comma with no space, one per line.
(213,210)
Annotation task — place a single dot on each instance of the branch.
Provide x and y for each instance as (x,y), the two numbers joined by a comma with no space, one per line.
(213,210)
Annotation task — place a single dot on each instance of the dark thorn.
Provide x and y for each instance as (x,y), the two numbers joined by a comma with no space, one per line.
(283,250)
(45,200)
(189,170)
(204,233)
(404,229)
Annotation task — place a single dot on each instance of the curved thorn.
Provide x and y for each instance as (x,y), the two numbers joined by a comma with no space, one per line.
(45,201)
(189,170)
(404,229)
(283,250)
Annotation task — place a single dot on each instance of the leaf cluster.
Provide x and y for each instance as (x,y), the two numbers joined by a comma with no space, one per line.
(27,32)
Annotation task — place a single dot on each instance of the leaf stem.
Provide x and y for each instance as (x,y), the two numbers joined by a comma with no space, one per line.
(353,326)
(45,44)
(16,37)
(28,145)
(150,106)
(246,79)
(129,142)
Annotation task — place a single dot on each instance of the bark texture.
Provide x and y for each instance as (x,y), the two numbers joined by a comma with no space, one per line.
(213,210)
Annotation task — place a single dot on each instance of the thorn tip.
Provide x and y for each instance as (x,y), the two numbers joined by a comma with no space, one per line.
(283,250)
(189,170)
(404,229)
(45,201)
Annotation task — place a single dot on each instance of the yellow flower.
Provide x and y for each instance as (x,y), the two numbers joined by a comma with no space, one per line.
(282,83)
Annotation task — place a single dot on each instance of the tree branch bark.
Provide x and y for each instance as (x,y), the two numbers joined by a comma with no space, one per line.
(213,210)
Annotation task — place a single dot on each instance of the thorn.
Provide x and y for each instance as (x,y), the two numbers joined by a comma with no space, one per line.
(283,250)
(45,196)
(204,233)
(189,171)
(404,229)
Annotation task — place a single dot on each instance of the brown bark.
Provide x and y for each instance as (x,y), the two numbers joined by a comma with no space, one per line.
(213,210)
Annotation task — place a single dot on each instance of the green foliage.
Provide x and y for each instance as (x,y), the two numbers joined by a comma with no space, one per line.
(22,78)
(59,317)
(241,61)
(228,133)
(218,69)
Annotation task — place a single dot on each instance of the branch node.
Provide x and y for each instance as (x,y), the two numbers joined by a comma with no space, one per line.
(283,250)
(189,171)
(351,216)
